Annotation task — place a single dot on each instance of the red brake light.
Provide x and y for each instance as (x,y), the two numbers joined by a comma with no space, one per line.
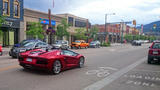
(150,51)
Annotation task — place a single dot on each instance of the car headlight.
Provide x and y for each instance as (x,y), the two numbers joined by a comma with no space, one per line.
(22,50)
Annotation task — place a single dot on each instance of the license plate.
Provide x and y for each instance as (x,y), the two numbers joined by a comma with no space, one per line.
(155,52)
(29,60)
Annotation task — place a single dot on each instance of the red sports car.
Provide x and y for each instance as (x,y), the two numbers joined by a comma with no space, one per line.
(54,60)
(1,50)
(154,52)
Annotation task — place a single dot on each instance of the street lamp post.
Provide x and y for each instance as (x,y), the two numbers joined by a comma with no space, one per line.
(106,31)
(122,31)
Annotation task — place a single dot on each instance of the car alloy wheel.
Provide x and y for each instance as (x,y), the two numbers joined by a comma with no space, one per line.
(56,67)
(81,62)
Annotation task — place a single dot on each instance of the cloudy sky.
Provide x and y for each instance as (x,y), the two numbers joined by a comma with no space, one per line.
(143,11)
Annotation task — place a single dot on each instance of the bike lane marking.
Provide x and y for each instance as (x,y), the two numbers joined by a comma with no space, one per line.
(106,81)
(101,71)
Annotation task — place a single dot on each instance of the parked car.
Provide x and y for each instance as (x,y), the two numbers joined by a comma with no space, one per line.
(95,44)
(61,44)
(53,61)
(136,43)
(29,45)
(22,43)
(146,41)
(1,52)
(79,44)
(154,53)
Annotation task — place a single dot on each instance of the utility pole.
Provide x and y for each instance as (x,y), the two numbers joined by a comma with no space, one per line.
(87,26)
(106,31)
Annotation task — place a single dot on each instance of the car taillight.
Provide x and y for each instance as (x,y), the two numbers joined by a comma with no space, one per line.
(150,51)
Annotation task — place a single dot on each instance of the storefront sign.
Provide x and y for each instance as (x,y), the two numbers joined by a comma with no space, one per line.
(46,21)
(11,23)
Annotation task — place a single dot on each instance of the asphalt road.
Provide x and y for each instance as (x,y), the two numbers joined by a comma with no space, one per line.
(121,67)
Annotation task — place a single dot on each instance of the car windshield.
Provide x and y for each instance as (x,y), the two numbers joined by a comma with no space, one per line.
(58,42)
(156,46)
(93,42)
(29,44)
(24,42)
(78,41)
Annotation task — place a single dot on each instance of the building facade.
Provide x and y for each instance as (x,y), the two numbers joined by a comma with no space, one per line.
(42,17)
(13,25)
(75,22)
(111,34)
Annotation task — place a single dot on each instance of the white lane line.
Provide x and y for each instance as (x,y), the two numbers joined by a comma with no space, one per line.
(102,83)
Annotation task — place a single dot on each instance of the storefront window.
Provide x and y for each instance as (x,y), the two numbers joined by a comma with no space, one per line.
(16,9)
(6,7)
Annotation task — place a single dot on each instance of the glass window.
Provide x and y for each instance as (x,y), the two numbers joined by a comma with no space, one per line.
(78,41)
(68,53)
(30,44)
(16,10)
(156,46)
(6,8)
(70,21)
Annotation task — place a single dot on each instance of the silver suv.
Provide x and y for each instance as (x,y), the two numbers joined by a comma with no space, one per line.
(61,44)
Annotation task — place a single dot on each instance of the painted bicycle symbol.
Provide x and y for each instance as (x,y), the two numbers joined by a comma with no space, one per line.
(101,72)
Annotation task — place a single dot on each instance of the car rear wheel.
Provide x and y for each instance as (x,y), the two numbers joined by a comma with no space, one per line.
(56,69)
(81,62)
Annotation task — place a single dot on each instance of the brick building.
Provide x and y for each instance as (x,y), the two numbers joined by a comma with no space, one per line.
(111,34)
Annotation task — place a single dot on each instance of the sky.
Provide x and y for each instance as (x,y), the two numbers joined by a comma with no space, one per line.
(143,11)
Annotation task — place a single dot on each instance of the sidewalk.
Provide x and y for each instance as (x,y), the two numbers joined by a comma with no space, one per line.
(6,50)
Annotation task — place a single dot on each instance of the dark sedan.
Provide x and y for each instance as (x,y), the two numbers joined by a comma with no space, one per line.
(28,45)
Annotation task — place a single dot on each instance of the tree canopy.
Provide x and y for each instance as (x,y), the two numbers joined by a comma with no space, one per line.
(2,20)
(80,34)
(93,33)
(35,30)
(62,29)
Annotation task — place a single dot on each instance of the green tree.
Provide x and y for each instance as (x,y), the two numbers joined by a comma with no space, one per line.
(62,29)
(80,34)
(2,20)
(128,37)
(93,33)
(35,30)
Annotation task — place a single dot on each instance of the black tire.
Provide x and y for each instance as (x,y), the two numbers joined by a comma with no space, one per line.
(150,60)
(81,62)
(14,57)
(56,68)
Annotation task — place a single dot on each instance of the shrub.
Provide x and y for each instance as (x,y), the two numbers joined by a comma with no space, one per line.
(106,44)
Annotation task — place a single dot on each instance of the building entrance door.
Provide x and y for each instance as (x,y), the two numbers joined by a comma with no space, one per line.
(5,37)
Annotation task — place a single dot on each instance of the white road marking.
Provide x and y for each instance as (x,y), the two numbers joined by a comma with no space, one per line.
(102,83)
(101,72)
